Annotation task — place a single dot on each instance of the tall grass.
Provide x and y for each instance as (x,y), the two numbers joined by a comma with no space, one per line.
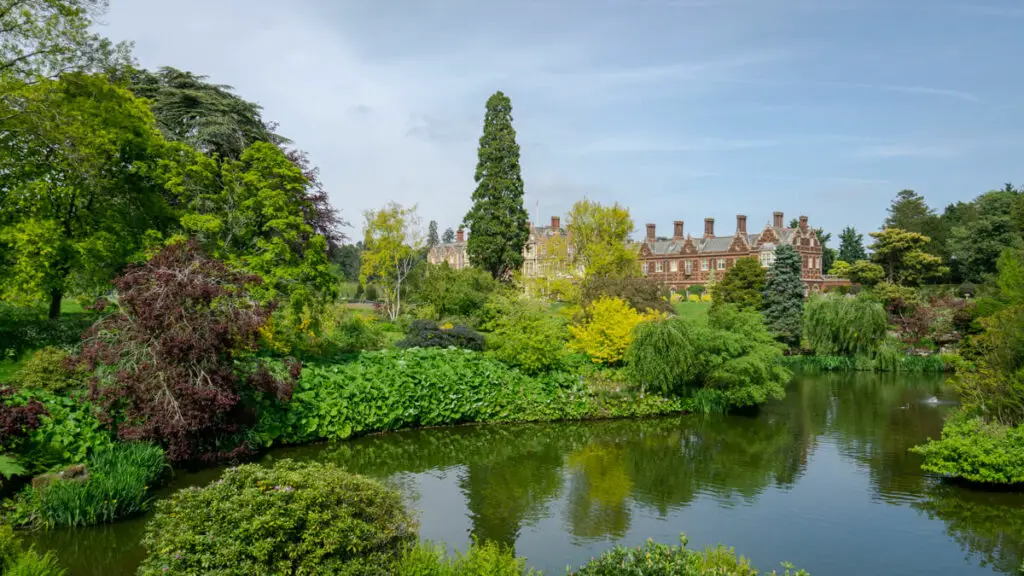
(117,487)
(894,361)
(15,560)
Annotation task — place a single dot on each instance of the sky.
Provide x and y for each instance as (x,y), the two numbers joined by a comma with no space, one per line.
(677,109)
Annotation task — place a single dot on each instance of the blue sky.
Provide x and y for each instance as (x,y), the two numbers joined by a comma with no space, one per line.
(678,109)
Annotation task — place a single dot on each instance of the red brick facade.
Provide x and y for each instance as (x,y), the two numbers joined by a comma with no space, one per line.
(681,261)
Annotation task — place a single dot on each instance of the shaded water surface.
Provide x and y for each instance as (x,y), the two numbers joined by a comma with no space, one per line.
(822,479)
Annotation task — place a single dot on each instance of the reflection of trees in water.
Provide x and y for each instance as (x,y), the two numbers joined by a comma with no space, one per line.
(874,419)
(989,526)
(95,551)
(600,487)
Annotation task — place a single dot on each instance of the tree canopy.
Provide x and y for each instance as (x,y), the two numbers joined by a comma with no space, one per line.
(741,285)
(783,297)
(902,255)
(597,237)
(851,246)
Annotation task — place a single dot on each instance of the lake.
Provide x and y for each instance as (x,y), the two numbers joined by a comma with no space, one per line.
(822,479)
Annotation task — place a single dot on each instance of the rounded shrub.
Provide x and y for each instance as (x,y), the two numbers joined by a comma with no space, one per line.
(48,369)
(291,518)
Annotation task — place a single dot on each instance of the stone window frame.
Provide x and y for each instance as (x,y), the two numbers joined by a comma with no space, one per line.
(721,263)
(659,266)
(673,266)
(705,264)
(688,267)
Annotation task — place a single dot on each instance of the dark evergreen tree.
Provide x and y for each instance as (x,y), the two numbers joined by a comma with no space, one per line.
(910,212)
(432,238)
(498,222)
(448,237)
(851,246)
(783,300)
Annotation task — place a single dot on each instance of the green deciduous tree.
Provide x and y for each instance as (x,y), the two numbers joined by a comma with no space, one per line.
(391,250)
(497,219)
(783,299)
(851,246)
(597,236)
(741,285)
(978,240)
(251,213)
(449,236)
(41,39)
(902,255)
(78,187)
(910,212)
(837,325)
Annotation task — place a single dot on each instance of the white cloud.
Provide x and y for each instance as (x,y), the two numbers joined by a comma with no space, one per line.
(910,150)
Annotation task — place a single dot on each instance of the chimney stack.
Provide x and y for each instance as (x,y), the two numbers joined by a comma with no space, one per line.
(803,223)
(460,236)
(709,227)
(778,219)
(741,224)
(556,222)
(678,232)
(650,233)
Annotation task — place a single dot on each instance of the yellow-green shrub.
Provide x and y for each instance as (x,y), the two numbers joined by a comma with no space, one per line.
(606,334)
(693,298)
(705,298)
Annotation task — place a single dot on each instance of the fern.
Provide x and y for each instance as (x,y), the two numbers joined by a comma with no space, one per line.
(9,467)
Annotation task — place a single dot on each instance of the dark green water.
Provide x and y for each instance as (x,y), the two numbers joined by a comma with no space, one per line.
(822,479)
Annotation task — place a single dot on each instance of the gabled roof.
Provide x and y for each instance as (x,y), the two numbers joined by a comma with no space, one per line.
(719,244)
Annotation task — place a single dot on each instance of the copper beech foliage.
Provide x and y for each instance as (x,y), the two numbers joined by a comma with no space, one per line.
(166,361)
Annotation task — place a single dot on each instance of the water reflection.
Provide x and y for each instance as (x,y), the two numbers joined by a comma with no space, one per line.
(816,478)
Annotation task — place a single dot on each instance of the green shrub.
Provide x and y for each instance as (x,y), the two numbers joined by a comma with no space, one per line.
(645,295)
(290,518)
(977,451)
(481,559)
(427,334)
(25,329)
(451,292)
(653,559)
(116,485)
(353,334)
(733,355)
(16,561)
(841,326)
(47,369)
(528,338)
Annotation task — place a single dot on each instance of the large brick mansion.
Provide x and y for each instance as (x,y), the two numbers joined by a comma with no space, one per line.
(679,261)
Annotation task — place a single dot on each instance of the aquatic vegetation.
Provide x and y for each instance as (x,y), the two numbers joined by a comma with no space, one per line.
(653,559)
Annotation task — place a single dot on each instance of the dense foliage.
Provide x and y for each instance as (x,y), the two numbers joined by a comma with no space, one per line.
(742,285)
(607,331)
(290,518)
(851,246)
(783,298)
(427,334)
(389,390)
(904,258)
(52,369)
(643,294)
(498,222)
(167,358)
(653,559)
(481,559)
(975,450)
(731,361)
(598,241)
(844,326)
(524,335)
(113,485)
(455,293)
(391,250)
(17,560)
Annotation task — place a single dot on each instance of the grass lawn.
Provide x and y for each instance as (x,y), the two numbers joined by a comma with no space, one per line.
(693,310)
(8,369)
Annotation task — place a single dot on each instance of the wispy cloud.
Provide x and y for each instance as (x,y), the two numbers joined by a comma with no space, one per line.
(990,10)
(910,150)
(627,144)
(927,90)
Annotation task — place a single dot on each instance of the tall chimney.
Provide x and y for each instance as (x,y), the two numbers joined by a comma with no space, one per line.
(556,222)
(803,223)
(778,219)
(678,232)
(741,224)
(460,236)
(650,233)
(709,227)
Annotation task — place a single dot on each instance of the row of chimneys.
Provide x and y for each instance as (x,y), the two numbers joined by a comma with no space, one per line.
(709,226)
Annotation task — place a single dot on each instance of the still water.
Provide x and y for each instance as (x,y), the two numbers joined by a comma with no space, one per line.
(822,479)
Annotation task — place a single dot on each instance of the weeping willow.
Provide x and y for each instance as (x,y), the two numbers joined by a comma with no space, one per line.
(840,326)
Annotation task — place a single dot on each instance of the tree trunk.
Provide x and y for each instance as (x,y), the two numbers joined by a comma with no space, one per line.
(55,297)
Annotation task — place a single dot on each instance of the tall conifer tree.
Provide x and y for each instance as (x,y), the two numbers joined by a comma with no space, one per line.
(498,222)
